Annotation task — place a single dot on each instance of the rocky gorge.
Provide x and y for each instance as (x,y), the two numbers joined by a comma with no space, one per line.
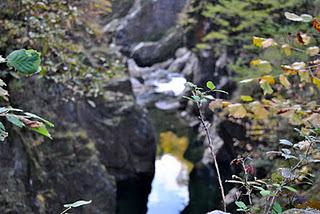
(104,149)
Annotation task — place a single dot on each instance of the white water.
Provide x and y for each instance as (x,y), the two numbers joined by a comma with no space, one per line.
(176,85)
(169,193)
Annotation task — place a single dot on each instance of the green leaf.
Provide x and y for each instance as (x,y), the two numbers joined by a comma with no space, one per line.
(277,209)
(78,204)
(196,98)
(24,61)
(210,85)
(246,98)
(290,189)
(14,120)
(241,205)
(267,89)
(3,133)
(265,193)
(30,115)
(42,129)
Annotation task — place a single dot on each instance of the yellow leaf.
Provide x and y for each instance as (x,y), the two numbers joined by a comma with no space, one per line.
(257,41)
(216,104)
(316,81)
(269,79)
(265,86)
(284,81)
(286,49)
(246,98)
(304,76)
(237,110)
(262,65)
(289,70)
(262,42)
(225,104)
(259,111)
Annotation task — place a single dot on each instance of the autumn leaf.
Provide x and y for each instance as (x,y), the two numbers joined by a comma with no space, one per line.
(316,24)
(267,89)
(284,81)
(286,49)
(269,79)
(316,81)
(216,104)
(261,65)
(259,111)
(304,76)
(246,98)
(237,110)
(303,38)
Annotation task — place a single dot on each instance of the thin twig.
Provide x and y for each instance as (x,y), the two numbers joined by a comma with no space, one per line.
(66,210)
(213,155)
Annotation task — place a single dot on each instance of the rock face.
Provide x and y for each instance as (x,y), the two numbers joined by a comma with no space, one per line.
(148,21)
(93,150)
(149,32)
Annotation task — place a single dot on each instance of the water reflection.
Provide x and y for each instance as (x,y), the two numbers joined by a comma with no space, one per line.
(170,187)
(170,184)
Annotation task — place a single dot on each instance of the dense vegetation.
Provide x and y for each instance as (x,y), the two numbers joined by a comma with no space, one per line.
(287,72)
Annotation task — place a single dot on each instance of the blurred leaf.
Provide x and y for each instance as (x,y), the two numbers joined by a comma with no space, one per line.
(262,66)
(316,81)
(78,204)
(30,115)
(293,17)
(269,79)
(42,129)
(14,120)
(285,142)
(210,85)
(284,81)
(291,189)
(246,98)
(277,209)
(237,110)
(312,51)
(24,61)
(259,111)
(267,89)
(241,205)
(316,24)
(265,193)
(3,133)
(286,49)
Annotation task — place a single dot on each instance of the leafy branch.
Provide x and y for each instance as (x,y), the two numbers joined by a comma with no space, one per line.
(199,97)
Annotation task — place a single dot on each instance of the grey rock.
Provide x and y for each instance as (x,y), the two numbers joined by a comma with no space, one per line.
(143,22)
(149,53)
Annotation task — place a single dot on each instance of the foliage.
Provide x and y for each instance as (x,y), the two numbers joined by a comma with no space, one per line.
(69,36)
(24,62)
(290,92)
(231,24)
(284,85)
